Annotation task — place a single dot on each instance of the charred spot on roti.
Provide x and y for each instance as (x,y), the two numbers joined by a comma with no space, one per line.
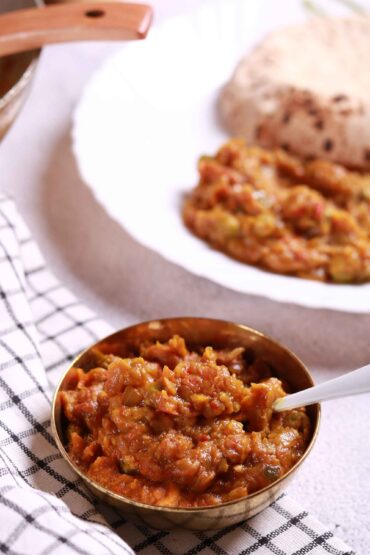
(340,98)
(328,145)
(259,131)
(312,111)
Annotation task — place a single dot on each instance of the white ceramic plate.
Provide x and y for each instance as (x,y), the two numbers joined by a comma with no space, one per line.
(147,115)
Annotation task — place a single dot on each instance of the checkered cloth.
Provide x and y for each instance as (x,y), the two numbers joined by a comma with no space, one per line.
(44,507)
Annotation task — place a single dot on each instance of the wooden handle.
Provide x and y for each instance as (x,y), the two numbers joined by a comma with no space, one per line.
(32,28)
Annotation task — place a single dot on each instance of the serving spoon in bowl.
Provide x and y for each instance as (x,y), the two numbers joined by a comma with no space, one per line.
(33,28)
(353,383)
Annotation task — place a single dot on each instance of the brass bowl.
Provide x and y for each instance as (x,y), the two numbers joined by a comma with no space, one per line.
(16,72)
(196,332)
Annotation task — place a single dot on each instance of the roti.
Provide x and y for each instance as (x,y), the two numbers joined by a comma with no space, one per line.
(306,89)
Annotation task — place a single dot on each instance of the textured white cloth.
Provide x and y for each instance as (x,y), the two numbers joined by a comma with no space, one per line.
(44,507)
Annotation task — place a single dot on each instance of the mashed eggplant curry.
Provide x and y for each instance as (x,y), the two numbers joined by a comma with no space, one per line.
(267,208)
(179,428)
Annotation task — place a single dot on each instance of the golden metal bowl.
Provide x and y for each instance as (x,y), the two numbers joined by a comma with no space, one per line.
(196,332)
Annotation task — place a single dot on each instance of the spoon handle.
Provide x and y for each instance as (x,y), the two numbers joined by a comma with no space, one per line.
(32,28)
(353,383)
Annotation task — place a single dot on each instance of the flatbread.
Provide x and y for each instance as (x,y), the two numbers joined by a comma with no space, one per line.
(307,89)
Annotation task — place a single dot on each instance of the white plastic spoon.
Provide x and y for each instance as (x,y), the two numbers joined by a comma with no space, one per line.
(353,383)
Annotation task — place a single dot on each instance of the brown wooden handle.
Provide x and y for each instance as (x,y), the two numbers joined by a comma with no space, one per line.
(32,28)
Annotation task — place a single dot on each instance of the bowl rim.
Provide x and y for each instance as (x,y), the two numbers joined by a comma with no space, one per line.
(182,510)
(23,81)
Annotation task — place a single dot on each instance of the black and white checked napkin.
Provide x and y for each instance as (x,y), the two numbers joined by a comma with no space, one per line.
(44,507)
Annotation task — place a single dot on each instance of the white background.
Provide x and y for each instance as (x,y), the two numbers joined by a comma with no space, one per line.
(126,283)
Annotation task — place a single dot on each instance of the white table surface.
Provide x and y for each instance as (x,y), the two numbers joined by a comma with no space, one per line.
(126,283)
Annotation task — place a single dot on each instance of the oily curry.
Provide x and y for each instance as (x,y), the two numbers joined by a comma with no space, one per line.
(309,219)
(182,428)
